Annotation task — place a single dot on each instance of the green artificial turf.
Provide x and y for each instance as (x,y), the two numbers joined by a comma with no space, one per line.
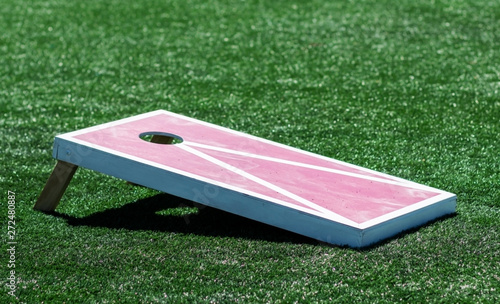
(410,88)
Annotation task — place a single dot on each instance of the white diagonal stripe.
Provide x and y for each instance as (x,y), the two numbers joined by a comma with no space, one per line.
(265,183)
(314,167)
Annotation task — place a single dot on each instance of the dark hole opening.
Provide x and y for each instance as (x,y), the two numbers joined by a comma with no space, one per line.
(161,138)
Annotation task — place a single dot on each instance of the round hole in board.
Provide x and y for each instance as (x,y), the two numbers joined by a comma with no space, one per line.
(161,138)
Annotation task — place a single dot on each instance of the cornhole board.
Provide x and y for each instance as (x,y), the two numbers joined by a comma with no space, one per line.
(316,196)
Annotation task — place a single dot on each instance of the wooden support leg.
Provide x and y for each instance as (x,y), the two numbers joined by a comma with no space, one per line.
(55,186)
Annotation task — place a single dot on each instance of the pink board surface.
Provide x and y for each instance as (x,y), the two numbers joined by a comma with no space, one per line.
(249,168)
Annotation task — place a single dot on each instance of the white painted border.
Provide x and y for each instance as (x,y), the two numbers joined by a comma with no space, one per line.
(326,215)
(405,210)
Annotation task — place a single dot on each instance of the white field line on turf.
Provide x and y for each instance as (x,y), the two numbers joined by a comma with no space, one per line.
(265,183)
(314,167)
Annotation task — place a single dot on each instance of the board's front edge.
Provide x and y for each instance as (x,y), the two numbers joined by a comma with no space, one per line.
(408,221)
